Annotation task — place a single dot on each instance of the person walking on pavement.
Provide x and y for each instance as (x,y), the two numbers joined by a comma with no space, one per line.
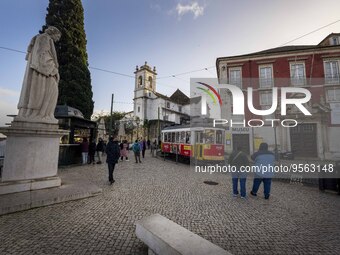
(238,158)
(153,146)
(84,150)
(92,151)
(136,150)
(263,158)
(99,149)
(113,153)
(143,147)
(148,142)
(124,147)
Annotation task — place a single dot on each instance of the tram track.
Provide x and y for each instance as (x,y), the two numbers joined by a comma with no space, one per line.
(172,157)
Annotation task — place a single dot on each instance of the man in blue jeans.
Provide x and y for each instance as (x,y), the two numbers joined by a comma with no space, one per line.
(263,158)
(238,159)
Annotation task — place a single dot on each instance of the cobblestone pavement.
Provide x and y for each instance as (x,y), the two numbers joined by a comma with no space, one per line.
(296,220)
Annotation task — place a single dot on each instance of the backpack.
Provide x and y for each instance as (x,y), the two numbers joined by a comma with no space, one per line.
(136,147)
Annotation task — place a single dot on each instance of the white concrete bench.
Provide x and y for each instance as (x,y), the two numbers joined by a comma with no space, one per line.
(165,237)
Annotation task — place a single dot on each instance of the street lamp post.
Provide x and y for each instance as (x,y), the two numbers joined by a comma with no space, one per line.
(110,130)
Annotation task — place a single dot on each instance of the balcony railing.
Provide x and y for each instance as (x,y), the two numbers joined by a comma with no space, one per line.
(298,81)
(332,79)
(266,83)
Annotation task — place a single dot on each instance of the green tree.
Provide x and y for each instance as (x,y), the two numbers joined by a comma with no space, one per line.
(75,87)
(146,126)
(116,117)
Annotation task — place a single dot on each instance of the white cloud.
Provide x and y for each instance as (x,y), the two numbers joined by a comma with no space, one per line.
(155,7)
(8,93)
(193,8)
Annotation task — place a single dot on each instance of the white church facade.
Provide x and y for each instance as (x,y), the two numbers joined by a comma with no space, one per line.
(152,111)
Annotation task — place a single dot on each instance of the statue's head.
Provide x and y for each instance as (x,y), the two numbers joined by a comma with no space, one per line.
(54,33)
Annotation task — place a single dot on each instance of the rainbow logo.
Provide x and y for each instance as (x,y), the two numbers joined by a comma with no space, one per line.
(211,91)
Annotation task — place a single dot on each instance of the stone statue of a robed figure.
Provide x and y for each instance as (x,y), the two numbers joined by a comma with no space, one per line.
(39,91)
(32,146)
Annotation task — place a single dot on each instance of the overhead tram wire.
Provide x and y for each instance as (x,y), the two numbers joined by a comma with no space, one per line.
(181,79)
(188,72)
(122,74)
(193,71)
(210,72)
(318,29)
(112,72)
(91,67)
(9,49)
(179,74)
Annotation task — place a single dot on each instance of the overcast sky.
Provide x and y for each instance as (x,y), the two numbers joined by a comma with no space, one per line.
(176,36)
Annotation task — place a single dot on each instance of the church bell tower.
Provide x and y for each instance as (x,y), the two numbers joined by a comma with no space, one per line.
(145,82)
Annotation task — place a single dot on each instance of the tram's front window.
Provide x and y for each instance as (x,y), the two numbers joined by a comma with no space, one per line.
(187,137)
(172,137)
(199,137)
(177,137)
(182,137)
(209,136)
(219,137)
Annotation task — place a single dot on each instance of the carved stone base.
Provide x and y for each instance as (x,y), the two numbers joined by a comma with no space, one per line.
(31,156)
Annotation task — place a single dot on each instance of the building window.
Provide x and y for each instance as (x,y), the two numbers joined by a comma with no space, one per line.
(166,117)
(297,74)
(150,82)
(140,81)
(138,108)
(266,98)
(235,76)
(332,72)
(167,104)
(266,76)
(219,137)
(180,108)
(333,95)
(335,40)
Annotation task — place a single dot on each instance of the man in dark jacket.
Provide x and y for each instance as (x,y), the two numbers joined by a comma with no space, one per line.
(238,158)
(100,149)
(263,159)
(113,153)
(92,151)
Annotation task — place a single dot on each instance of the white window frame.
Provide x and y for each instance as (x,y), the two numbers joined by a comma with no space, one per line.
(334,77)
(140,81)
(333,91)
(150,81)
(269,81)
(231,79)
(269,101)
(180,108)
(297,80)
(334,40)
(168,105)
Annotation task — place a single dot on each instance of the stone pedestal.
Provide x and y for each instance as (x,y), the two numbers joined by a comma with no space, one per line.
(31,156)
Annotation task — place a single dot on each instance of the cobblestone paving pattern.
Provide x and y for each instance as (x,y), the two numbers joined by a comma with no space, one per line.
(296,220)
